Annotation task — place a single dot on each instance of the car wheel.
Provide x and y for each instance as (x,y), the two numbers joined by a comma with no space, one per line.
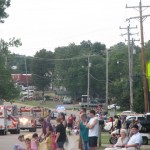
(30,130)
(18,131)
(34,130)
(113,140)
(3,132)
(145,140)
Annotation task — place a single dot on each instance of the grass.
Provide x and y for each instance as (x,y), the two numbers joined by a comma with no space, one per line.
(105,138)
(48,104)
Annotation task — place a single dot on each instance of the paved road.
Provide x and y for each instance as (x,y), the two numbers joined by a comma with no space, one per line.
(7,142)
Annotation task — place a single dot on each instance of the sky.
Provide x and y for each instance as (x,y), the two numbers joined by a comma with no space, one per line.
(53,23)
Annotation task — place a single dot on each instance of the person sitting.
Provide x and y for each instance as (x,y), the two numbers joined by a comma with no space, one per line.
(135,141)
(121,142)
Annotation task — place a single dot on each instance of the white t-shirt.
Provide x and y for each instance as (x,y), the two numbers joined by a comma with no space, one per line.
(135,139)
(95,130)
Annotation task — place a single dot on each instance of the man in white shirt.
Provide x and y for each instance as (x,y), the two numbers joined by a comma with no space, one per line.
(93,126)
(135,141)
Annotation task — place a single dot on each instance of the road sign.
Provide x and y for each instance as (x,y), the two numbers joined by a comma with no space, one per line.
(148,70)
(148,73)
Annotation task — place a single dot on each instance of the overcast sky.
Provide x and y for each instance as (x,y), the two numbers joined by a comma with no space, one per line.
(52,23)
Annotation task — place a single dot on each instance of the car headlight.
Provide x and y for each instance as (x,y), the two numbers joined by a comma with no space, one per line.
(23,120)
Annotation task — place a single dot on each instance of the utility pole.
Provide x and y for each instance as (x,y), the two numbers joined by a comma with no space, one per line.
(26,75)
(88,86)
(107,78)
(130,63)
(142,18)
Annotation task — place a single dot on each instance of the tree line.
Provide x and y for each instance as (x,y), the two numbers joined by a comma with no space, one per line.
(67,66)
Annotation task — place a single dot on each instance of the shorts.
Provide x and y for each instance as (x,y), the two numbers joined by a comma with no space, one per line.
(93,141)
(60,144)
(70,125)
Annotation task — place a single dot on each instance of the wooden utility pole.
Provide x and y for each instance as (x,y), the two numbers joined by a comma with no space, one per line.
(107,78)
(88,83)
(130,63)
(142,18)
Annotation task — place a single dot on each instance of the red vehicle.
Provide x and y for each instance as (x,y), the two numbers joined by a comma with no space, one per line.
(13,125)
(27,119)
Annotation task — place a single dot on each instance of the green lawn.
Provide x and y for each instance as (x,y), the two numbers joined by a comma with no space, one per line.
(49,104)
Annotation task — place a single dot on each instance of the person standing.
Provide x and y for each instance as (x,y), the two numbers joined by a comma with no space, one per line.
(117,125)
(82,111)
(70,122)
(62,116)
(93,126)
(84,131)
(60,134)
(46,128)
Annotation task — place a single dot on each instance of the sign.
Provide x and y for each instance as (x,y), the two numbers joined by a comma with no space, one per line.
(148,73)
(148,70)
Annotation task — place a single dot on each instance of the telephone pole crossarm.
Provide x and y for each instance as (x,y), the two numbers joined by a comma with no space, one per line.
(145,16)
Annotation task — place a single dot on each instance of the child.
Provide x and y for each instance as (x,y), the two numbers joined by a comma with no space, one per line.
(28,144)
(48,142)
(35,142)
(53,141)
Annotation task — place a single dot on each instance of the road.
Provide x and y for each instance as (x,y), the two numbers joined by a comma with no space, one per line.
(7,142)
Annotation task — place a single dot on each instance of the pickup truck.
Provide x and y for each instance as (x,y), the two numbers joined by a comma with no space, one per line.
(90,104)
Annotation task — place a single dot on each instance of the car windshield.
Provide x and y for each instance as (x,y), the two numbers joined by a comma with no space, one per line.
(141,118)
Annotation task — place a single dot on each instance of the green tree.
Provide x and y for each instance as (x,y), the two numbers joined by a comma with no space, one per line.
(4,47)
(3,5)
(42,69)
(71,68)
(7,89)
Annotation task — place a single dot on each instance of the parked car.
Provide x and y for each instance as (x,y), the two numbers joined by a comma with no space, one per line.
(92,103)
(67,100)
(128,113)
(113,106)
(141,119)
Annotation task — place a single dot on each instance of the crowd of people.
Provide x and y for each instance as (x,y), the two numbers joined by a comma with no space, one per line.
(120,122)
(53,137)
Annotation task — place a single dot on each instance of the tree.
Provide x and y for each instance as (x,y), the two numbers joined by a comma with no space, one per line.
(19,61)
(71,68)
(7,89)
(3,5)
(42,69)
(4,47)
